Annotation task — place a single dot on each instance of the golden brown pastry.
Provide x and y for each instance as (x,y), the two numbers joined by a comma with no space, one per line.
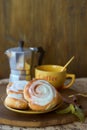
(15,98)
(41,95)
(17,101)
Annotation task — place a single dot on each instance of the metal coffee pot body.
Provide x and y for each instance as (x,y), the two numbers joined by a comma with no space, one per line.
(22,61)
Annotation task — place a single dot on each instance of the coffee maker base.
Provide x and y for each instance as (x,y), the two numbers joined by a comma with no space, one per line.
(14,78)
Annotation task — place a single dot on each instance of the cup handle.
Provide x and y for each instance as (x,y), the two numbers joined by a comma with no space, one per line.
(72,77)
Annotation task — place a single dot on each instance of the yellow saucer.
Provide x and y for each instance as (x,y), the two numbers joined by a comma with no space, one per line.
(32,111)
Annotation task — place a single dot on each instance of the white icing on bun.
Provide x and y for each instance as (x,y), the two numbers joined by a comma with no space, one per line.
(15,98)
(41,92)
(17,86)
(41,95)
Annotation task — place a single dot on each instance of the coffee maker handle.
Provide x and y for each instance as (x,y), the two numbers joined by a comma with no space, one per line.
(41,52)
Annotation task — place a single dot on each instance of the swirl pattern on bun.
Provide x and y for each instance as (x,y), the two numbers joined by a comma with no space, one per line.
(41,95)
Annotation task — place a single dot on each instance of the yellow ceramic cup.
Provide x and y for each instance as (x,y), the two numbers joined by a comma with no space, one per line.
(54,75)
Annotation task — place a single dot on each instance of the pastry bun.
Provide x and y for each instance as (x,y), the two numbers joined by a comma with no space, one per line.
(16,101)
(15,98)
(41,95)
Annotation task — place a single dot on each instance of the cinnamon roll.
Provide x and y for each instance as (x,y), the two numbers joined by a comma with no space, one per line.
(15,98)
(41,95)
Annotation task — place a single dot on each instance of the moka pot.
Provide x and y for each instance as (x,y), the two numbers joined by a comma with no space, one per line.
(22,61)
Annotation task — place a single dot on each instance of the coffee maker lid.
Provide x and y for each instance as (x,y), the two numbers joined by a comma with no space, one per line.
(20,48)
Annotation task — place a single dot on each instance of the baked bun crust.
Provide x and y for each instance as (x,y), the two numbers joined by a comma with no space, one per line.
(16,101)
(41,95)
(15,98)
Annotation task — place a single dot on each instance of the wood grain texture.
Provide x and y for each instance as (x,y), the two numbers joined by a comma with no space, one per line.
(59,26)
(11,118)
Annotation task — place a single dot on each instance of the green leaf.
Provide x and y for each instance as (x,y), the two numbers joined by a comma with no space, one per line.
(79,113)
(66,110)
(74,110)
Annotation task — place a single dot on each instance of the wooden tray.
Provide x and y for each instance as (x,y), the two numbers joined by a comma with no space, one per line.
(37,120)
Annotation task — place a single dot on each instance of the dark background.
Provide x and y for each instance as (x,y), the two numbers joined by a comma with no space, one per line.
(59,26)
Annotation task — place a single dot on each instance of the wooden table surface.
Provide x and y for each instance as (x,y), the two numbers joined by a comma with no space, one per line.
(79,85)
